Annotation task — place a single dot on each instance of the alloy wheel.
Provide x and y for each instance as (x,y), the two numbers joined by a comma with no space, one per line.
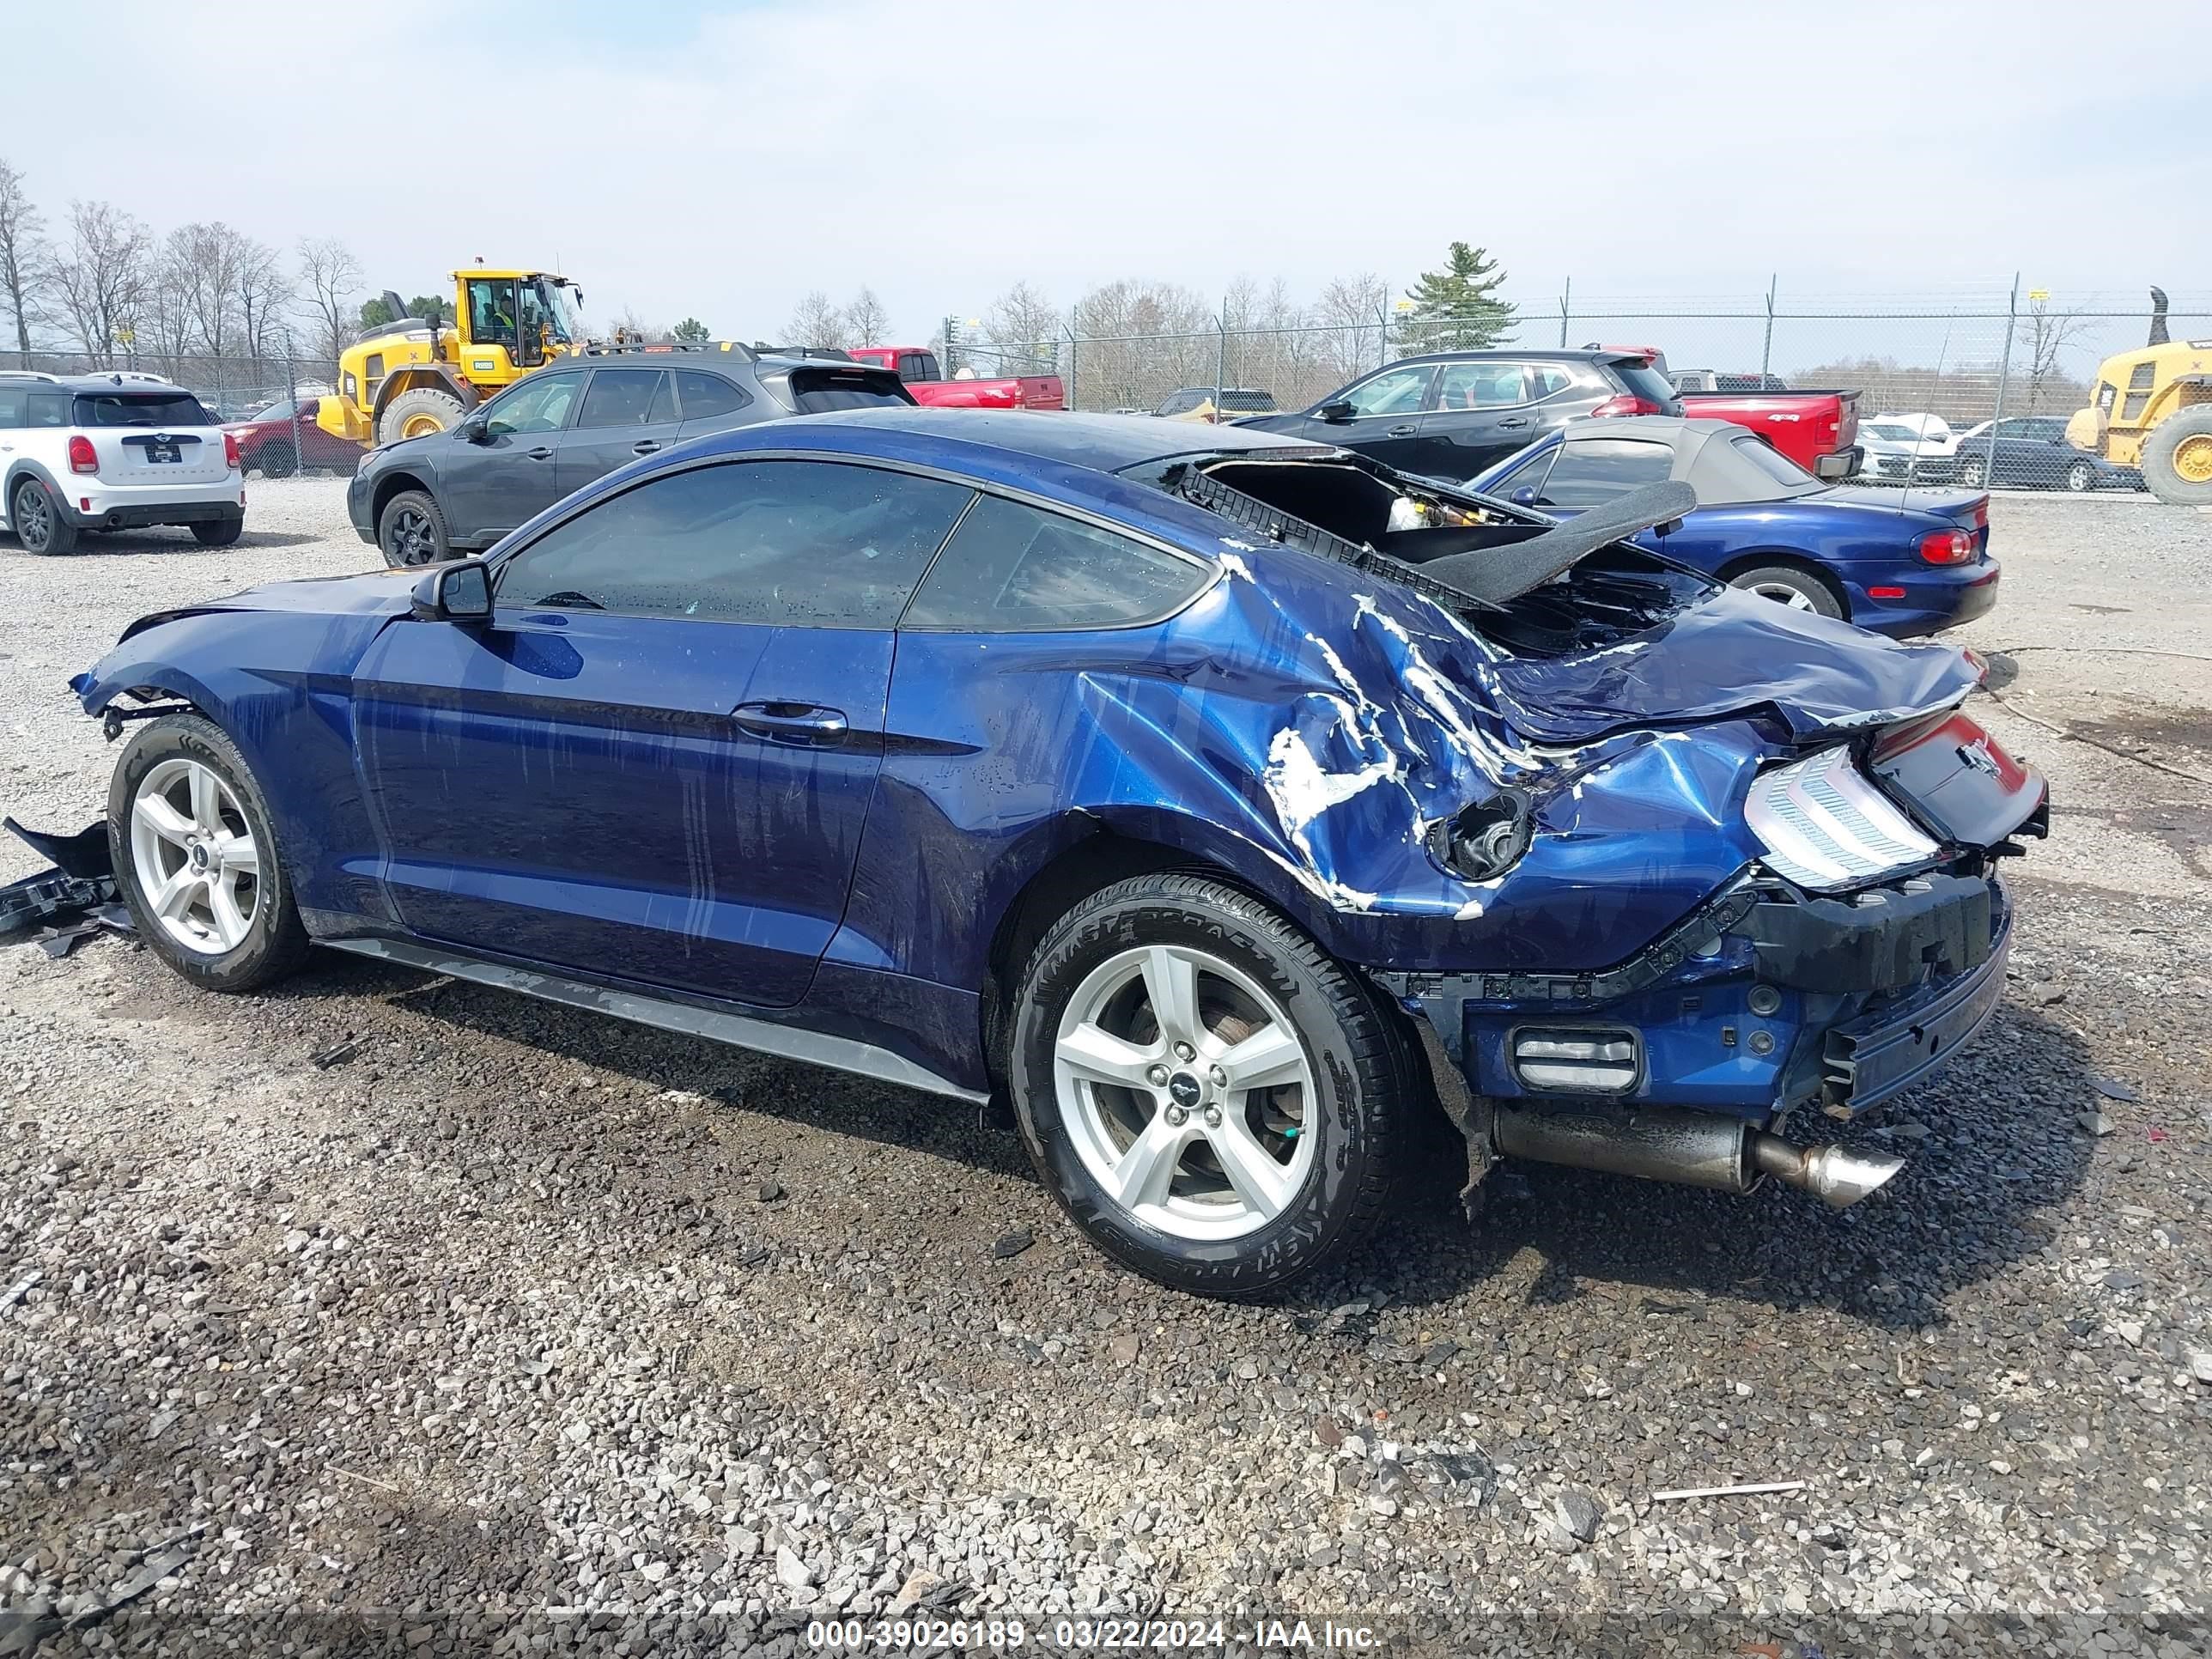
(1783,594)
(34,517)
(1972,474)
(193,852)
(2079,477)
(1186,1092)
(412,538)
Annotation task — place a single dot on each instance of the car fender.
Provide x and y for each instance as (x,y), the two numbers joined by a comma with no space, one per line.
(22,468)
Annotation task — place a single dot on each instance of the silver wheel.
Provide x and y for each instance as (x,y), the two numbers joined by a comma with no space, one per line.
(1783,594)
(195,858)
(1186,1092)
(1972,473)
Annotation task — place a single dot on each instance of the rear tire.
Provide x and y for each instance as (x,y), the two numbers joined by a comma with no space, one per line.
(2177,458)
(1785,584)
(277,461)
(197,857)
(40,522)
(416,413)
(1186,1172)
(2081,478)
(411,530)
(223,533)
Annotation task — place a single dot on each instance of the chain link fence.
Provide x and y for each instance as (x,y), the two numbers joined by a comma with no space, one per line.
(1964,359)
(232,386)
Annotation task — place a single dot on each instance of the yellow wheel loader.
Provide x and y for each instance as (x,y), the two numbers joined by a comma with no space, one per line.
(2151,409)
(403,379)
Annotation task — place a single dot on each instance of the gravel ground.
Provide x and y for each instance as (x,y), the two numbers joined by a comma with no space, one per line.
(514,1330)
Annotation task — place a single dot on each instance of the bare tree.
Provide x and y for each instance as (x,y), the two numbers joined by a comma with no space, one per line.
(100,275)
(868,321)
(636,331)
(163,321)
(1024,324)
(1139,341)
(816,323)
(332,277)
(2047,333)
(1352,309)
(264,295)
(23,254)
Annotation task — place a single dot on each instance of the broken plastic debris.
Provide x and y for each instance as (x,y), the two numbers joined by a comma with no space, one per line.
(1729,1492)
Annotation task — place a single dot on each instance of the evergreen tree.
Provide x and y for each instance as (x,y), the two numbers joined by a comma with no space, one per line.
(690,331)
(1457,308)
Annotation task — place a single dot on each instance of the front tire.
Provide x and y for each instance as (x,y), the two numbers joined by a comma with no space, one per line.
(1785,584)
(197,857)
(1207,1093)
(2177,458)
(2081,478)
(417,414)
(411,530)
(40,522)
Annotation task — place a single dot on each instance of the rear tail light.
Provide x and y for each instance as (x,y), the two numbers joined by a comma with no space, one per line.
(1947,547)
(1626,403)
(82,455)
(230,450)
(1603,1062)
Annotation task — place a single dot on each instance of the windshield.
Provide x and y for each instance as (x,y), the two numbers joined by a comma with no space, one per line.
(817,391)
(564,323)
(141,409)
(1893,433)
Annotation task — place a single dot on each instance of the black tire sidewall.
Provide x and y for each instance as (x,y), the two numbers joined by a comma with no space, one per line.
(1324,1219)
(2160,449)
(277,462)
(223,532)
(275,939)
(430,509)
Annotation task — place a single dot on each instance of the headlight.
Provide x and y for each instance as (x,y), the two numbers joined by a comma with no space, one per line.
(1824,826)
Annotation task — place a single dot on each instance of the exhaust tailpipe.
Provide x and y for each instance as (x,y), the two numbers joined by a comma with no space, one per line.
(1696,1149)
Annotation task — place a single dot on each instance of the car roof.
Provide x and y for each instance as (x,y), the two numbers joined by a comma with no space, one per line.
(121,380)
(1706,456)
(1533,354)
(1103,443)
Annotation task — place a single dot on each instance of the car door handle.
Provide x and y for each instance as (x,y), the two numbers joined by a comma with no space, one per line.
(540,454)
(646,446)
(1405,431)
(803,723)
(1512,421)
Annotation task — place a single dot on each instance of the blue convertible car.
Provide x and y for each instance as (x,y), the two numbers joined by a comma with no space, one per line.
(1224,800)
(1900,563)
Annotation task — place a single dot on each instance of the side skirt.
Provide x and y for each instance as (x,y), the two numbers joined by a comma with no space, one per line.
(762,1037)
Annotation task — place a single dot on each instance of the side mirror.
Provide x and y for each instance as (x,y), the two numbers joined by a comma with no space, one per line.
(456,593)
(1333,413)
(475,430)
(1524,497)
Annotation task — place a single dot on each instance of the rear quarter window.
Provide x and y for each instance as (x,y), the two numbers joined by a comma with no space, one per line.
(705,396)
(1014,568)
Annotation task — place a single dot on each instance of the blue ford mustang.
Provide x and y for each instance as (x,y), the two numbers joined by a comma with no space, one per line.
(1224,800)
(1901,562)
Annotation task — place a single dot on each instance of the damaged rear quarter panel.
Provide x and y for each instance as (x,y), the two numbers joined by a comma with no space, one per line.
(1303,735)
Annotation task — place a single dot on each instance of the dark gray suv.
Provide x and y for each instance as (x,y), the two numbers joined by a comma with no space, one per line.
(425,499)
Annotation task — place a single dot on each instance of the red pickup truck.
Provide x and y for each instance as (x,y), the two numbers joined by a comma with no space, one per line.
(917,366)
(1817,429)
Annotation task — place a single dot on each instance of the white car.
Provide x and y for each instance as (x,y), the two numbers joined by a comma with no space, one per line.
(1933,432)
(113,452)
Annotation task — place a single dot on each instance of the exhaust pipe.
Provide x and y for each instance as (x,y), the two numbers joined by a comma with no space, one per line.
(1696,1149)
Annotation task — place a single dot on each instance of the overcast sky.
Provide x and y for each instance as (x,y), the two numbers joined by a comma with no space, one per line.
(722,159)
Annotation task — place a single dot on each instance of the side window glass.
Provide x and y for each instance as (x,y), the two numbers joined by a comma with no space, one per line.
(540,403)
(705,396)
(1394,392)
(1015,569)
(1523,474)
(14,401)
(46,409)
(620,397)
(1483,386)
(815,542)
(1593,473)
(492,307)
(1548,380)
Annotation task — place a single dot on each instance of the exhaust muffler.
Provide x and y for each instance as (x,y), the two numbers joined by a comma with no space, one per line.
(1696,1149)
